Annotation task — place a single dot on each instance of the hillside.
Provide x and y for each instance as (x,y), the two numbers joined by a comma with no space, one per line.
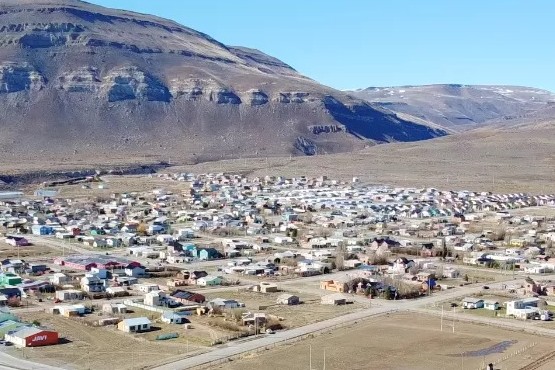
(459,107)
(83,83)
(520,159)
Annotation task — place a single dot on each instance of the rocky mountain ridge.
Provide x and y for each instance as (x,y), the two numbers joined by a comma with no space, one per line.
(458,107)
(78,80)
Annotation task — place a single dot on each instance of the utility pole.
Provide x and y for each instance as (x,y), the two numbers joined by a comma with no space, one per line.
(310,357)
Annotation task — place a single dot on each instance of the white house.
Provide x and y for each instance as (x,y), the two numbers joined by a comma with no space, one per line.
(473,303)
(522,308)
(491,305)
(134,325)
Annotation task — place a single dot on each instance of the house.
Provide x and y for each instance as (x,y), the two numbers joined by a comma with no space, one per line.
(17,241)
(265,287)
(185,297)
(155,298)
(288,299)
(69,295)
(473,303)
(334,299)
(59,278)
(32,337)
(37,268)
(250,318)
(10,279)
(491,305)
(42,230)
(135,325)
(209,280)
(134,270)
(334,286)
(92,284)
(170,317)
(146,288)
(220,303)
(523,308)
(69,310)
(111,308)
(208,254)
(117,291)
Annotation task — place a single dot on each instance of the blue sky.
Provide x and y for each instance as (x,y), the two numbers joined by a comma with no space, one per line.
(359,43)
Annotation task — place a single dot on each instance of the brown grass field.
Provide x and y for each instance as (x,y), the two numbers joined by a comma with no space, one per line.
(402,341)
(509,160)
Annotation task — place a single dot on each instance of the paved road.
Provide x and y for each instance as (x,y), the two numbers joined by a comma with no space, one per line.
(9,362)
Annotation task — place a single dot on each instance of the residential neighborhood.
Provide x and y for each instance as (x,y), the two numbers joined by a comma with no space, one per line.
(227,256)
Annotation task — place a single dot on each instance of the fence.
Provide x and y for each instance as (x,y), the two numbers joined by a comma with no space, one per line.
(510,355)
(129,302)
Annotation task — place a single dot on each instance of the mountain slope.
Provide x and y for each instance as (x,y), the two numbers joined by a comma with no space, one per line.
(78,80)
(459,107)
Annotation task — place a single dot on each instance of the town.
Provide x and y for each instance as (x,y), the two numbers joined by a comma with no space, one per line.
(202,260)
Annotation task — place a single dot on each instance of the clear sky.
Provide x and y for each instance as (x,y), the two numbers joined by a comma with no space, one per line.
(350,44)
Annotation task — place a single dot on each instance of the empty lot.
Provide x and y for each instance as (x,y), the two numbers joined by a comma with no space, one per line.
(404,341)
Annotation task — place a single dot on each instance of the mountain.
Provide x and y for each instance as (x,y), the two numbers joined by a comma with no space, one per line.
(85,83)
(459,107)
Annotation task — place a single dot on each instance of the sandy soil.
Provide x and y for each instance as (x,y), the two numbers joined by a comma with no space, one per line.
(402,341)
(94,348)
(308,312)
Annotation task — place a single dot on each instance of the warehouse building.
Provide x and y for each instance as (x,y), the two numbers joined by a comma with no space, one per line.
(32,337)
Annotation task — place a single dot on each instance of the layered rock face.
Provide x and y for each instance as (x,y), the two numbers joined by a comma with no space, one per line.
(79,78)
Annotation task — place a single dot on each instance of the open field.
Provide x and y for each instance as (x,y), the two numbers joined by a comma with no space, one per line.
(94,348)
(519,160)
(308,312)
(32,251)
(404,341)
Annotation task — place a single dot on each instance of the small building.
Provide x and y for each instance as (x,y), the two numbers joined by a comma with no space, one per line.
(186,297)
(134,270)
(491,305)
(32,337)
(170,317)
(334,299)
(224,304)
(155,298)
(69,310)
(42,230)
(92,284)
(288,299)
(265,287)
(209,280)
(208,254)
(146,288)
(472,303)
(334,286)
(10,279)
(69,295)
(117,291)
(135,325)
(59,278)
(17,241)
(111,308)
